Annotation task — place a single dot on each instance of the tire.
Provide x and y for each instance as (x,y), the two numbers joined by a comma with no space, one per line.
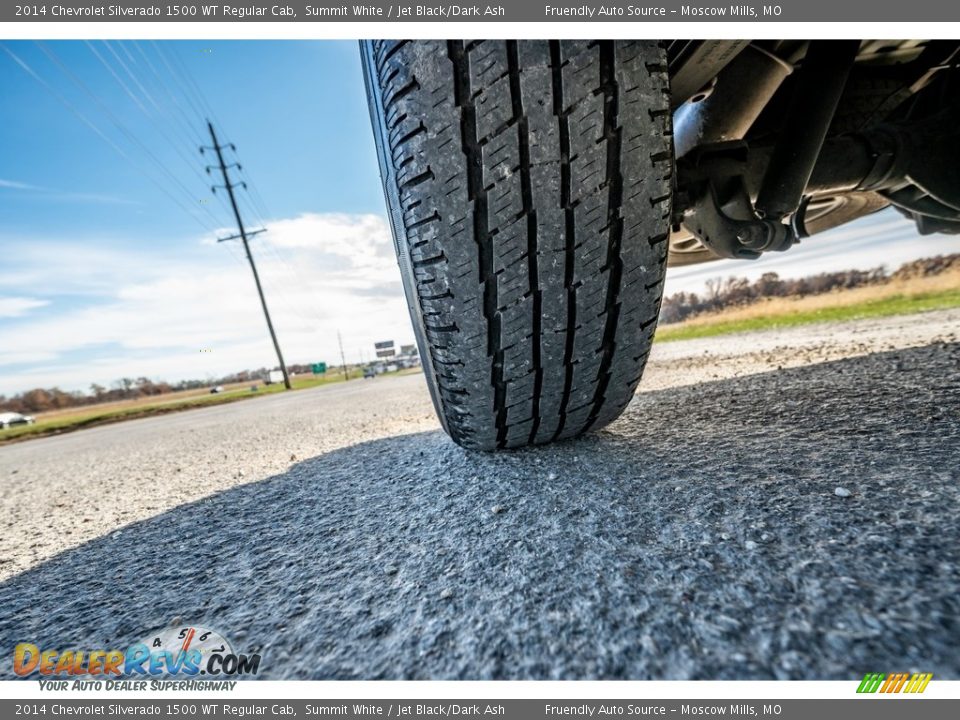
(529,189)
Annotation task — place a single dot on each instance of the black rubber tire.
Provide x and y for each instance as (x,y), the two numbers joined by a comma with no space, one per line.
(529,189)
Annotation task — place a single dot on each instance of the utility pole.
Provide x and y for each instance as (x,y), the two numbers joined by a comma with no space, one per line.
(243,235)
(343,359)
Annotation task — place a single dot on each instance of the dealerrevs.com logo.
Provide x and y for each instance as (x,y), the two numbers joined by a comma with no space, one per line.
(180,651)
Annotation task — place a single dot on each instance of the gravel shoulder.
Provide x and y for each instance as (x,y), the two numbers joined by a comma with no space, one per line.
(728,356)
(743,522)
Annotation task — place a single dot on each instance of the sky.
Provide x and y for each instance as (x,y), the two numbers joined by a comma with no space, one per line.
(109,265)
(109,260)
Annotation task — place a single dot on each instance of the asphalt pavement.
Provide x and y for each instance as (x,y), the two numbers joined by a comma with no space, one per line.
(798,522)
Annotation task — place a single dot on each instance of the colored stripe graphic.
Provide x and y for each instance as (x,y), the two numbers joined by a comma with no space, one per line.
(870,682)
(890,682)
(894,683)
(918,683)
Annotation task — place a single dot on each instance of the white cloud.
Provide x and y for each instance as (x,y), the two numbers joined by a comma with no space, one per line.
(11,357)
(150,312)
(87,266)
(359,237)
(13,307)
(63,196)
(16,185)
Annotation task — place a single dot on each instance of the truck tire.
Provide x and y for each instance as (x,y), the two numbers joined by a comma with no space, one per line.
(529,189)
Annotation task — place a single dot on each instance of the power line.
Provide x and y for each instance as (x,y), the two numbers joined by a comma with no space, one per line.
(150,99)
(343,360)
(192,88)
(224,170)
(191,84)
(188,209)
(260,209)
(198,101)
(252,200)
(186,123)
(126,69)
(157,122)
(191,195)
(192,93)
(179,79)
(103,136)
(159,126)
(181,123)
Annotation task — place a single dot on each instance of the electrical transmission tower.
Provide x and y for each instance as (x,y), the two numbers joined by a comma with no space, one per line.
(244,235)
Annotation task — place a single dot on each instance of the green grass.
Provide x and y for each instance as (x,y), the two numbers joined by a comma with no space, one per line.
(884,307)
(91,416)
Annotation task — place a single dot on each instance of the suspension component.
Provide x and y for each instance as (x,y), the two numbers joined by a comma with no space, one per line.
(820,82)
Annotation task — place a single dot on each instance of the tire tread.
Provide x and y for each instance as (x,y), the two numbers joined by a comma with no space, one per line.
(534,183)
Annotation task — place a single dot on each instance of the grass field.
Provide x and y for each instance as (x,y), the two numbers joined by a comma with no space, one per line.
(60,421)
(896,298)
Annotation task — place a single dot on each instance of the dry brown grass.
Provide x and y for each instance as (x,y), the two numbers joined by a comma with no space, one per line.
(150,400)
(912,287)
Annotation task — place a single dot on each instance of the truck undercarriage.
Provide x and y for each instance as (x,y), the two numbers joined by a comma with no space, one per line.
(779,140)
(539,189)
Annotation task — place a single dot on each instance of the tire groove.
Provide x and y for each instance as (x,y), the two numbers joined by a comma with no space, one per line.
(614,181)
(401,93)
(556,65)
(481,232)
(526,190)
(392,51)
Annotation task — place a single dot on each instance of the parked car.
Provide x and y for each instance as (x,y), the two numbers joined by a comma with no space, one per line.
(12,419)
(539,189)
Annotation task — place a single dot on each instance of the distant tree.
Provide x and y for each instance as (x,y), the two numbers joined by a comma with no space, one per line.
(769,285)
(723,293)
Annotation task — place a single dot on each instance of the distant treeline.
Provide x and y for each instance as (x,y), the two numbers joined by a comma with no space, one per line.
(734,291)
(43,399)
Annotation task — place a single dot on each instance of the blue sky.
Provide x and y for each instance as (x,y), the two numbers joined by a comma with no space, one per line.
(296,111)
(104,275)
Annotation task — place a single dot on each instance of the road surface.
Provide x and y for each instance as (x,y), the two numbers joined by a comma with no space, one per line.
(773,505)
